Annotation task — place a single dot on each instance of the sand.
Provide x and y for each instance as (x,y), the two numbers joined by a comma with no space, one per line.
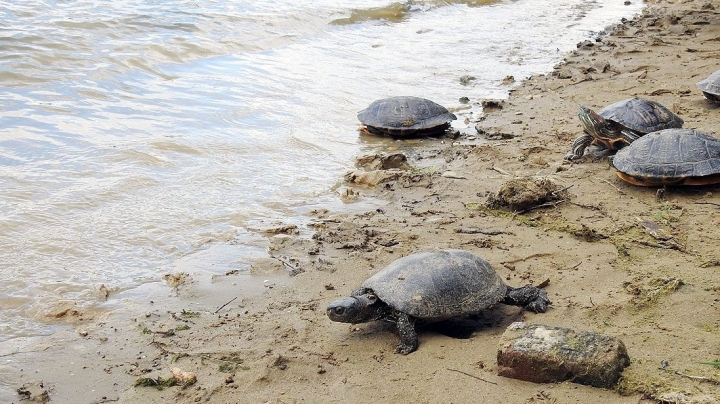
(636,263)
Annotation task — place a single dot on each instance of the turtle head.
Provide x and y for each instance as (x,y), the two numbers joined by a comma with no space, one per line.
(592,122)
(357,309)
(603,130)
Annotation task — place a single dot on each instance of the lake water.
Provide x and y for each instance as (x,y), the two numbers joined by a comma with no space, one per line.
(135,135)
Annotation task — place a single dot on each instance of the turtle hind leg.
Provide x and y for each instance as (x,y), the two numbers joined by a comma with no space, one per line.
(529,297)
(408,336)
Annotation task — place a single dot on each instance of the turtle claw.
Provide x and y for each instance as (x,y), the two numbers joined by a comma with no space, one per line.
(404,349)
(571,157)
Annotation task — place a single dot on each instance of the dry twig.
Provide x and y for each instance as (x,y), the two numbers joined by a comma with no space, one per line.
(473,376)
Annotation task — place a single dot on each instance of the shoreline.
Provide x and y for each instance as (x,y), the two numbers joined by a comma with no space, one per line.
(606,272)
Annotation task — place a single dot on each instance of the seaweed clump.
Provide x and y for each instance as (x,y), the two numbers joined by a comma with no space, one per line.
(527,193)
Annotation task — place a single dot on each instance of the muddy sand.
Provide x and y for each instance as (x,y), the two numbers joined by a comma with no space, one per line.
(636,263)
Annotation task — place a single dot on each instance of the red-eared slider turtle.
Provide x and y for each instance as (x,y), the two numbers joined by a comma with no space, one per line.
(670,157)
(405,116)
(711,87)
(621,123)
(431,286)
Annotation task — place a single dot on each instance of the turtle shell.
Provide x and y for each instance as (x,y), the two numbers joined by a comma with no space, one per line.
(711,86)
(438,285)
(671,156)
(405,116)
(641,115)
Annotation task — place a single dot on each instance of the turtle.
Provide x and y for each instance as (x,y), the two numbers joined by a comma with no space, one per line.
(405,117)
(670,157)
(710,87)
(431,286)
(621,123)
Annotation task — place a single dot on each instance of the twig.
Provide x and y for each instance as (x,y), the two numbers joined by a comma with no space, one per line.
(699,378)
(501,171)
(21,352)
(707,203)
(561,190)
(543,205)
(221,307)
(537,255)
(287,264)
(616,188)
(475,230)
(473,376)
(591,207)
(669,246)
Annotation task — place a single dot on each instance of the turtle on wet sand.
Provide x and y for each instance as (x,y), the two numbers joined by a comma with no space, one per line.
(710,87)
(621,123)
(670,157)
(431,286)
(405,117)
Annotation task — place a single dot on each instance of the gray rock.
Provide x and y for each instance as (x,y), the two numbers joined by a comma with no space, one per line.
(545,354)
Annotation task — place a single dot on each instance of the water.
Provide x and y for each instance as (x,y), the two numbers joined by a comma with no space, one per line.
(135,135)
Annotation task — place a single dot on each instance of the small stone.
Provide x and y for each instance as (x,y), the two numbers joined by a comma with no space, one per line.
(492,104)
(465,80)
(83,333)
(544,354)
(372,178)
(182,377)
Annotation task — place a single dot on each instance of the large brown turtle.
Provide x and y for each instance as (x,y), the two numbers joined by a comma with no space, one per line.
(431,286)
(710,87)
(670,157)
(405,117)
(621,123)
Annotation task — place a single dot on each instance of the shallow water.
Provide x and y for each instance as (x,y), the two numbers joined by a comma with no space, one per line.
(137,135)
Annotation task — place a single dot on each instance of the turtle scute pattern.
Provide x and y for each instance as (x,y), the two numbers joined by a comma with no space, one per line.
(437,286)
(641,115)
(405,116)
(671,156)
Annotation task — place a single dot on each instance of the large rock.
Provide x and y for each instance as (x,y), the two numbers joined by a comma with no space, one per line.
(543,354)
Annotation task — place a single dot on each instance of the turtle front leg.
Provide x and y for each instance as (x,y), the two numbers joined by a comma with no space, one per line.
(578,147)
(408,336)
(528,296)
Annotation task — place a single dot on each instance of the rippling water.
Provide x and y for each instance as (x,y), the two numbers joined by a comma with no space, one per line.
(136,133)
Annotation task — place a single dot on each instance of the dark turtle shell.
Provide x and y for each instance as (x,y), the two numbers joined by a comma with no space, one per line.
(620,124)
(670,157)
(641,115)
(405,116)
(711,86)
(438,285)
